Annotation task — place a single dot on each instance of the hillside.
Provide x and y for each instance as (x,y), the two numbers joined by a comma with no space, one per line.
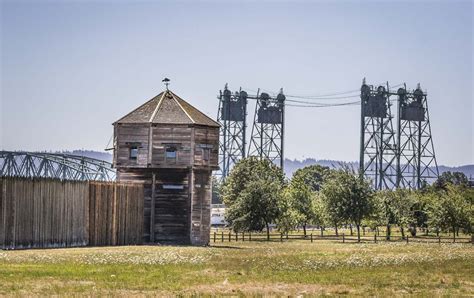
(290,165)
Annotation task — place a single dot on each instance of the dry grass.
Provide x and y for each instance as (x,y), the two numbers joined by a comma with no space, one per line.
(244,268)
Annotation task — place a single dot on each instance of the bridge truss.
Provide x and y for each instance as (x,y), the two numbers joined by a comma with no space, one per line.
(54,165)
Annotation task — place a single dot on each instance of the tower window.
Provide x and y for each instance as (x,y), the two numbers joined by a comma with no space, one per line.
(133,152)
(171,152)
(206,154)
(173,186)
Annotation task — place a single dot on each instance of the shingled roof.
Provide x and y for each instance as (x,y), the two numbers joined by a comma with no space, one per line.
(167,108)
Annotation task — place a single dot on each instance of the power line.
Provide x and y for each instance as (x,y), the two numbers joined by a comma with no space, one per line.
(323,98)
(353,103)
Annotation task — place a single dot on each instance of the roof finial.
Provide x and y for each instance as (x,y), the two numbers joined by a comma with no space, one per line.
(167,82)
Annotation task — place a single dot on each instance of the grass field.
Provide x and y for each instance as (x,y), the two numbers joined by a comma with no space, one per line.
(245,268)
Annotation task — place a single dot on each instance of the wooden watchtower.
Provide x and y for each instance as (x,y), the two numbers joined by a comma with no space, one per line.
(172,148)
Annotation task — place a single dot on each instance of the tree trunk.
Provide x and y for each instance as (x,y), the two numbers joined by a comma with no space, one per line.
(304,230)
(268,231)
(335,226)
(388,232)
(350,226)
(378,231)
(457,232)
(358,232)
(454,234)
(403,232)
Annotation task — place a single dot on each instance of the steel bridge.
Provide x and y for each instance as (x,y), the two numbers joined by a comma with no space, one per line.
(54,165)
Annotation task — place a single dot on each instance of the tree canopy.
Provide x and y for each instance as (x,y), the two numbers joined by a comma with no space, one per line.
(253,194)
(349,197)
(257,195)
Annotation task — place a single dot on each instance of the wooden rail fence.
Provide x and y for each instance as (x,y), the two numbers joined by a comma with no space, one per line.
(40,213)
(235,237)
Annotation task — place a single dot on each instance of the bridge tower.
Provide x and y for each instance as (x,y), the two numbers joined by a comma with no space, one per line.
(416,160)
(378,149)
(267,138)
(231,116)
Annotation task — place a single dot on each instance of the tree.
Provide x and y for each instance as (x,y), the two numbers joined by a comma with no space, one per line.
(288,217)
(395,207)
(313,176)
(348,197)
(302,199)
(454,178)
(216,185)
(253,195)
(451,208)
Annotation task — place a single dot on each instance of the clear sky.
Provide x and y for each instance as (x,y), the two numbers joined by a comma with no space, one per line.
(69,69)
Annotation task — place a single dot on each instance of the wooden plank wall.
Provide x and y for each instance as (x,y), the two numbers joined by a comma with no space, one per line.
(143,176)
(41,213)
(201,208)
(172,207)
(171,134)
(126,135)
(116,213)
(206,136)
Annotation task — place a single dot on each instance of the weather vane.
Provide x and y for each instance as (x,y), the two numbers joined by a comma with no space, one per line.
(167,82)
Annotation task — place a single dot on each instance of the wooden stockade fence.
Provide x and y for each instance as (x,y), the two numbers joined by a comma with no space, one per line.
(115,213)
(39,213)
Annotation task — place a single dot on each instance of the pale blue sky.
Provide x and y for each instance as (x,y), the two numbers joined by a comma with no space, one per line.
(71,68)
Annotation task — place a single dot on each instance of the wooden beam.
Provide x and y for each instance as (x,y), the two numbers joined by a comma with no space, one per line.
(152,211)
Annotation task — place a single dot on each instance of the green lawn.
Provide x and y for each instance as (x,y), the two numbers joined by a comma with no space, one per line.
(295,267)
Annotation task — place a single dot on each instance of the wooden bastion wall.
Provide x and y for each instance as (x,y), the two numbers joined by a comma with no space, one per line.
(42,213)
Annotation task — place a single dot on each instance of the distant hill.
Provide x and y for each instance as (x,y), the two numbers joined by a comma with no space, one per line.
(106,156)
(293,165)
(290,165)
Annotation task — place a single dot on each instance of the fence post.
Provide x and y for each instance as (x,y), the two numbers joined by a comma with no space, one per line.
(311,237)
(236,236)
(229,237)
(281,237)
(343,238)
(375,238)
(243,236)
(439,240)
(250,236)
(407,239)
(215,236)
(472,239)
(222,236)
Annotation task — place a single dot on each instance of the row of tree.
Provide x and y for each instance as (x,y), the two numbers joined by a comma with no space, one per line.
(257,195)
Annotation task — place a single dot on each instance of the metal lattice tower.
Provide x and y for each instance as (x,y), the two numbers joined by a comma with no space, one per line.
(416,162)
(232,118)
(378,151)
(54,165)
(267,138)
